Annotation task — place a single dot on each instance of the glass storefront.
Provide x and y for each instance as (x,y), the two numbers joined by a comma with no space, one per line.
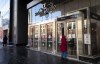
(46,37)
(95,37)
(81,31)
(71,27)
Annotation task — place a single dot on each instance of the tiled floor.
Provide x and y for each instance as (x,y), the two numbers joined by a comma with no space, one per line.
(22,55)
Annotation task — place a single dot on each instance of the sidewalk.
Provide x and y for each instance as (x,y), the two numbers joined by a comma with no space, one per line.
(22,55)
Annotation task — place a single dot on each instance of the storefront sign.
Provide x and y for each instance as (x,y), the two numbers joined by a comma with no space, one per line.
(87,39)
(67,17)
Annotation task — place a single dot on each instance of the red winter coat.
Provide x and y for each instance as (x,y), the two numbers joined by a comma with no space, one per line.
(64,42)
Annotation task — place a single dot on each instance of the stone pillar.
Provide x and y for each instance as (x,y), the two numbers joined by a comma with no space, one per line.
(20,22)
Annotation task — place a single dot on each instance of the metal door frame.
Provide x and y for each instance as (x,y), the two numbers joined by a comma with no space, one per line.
(57,22)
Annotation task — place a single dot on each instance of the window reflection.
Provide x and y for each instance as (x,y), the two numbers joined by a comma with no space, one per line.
(49,36)
(43,37)
(71,36)
(69,26)
(56,14)
(36,37)
(33,14)
(38,19)
(60,31)
(73,25)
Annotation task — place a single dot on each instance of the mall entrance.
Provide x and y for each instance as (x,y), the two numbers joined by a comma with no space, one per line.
(71,27)
(68,28)
(46,31)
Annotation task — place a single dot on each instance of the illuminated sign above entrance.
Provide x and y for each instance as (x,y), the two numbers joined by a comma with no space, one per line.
(67,17)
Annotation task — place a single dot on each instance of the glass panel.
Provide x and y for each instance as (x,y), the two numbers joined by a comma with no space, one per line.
(30,36)
(43,37)
(49,36)
(85,32)
(29,15)
(38,17)
(33,15)
(36,37)
(71,36)
(95,37)
(95,30)
(56,14)
(60,31)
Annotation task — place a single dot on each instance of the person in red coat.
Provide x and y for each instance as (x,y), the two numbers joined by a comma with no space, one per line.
(63,47)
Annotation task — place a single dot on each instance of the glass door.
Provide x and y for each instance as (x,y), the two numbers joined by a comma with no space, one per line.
(36,37)
(30,36)
(60,31)
(49,36)
(43,37)
(71,37)
(95,37)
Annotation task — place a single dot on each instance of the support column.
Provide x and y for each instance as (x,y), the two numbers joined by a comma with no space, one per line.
(20,22)
(11,22)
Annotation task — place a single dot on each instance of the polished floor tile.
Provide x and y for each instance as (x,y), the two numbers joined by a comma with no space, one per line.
(22,55)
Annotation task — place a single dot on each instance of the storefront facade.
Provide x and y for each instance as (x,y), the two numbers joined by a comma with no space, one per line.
(80,25)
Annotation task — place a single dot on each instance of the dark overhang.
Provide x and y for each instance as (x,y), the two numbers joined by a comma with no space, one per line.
(95,16)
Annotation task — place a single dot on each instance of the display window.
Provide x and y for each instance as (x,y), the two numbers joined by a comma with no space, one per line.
(60,31)
(71,37)
(43,37)
(49,36)
(36,37)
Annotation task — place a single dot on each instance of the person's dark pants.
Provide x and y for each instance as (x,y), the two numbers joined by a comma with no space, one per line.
(4,44)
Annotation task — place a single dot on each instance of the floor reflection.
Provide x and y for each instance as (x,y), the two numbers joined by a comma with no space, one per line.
(22,55)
